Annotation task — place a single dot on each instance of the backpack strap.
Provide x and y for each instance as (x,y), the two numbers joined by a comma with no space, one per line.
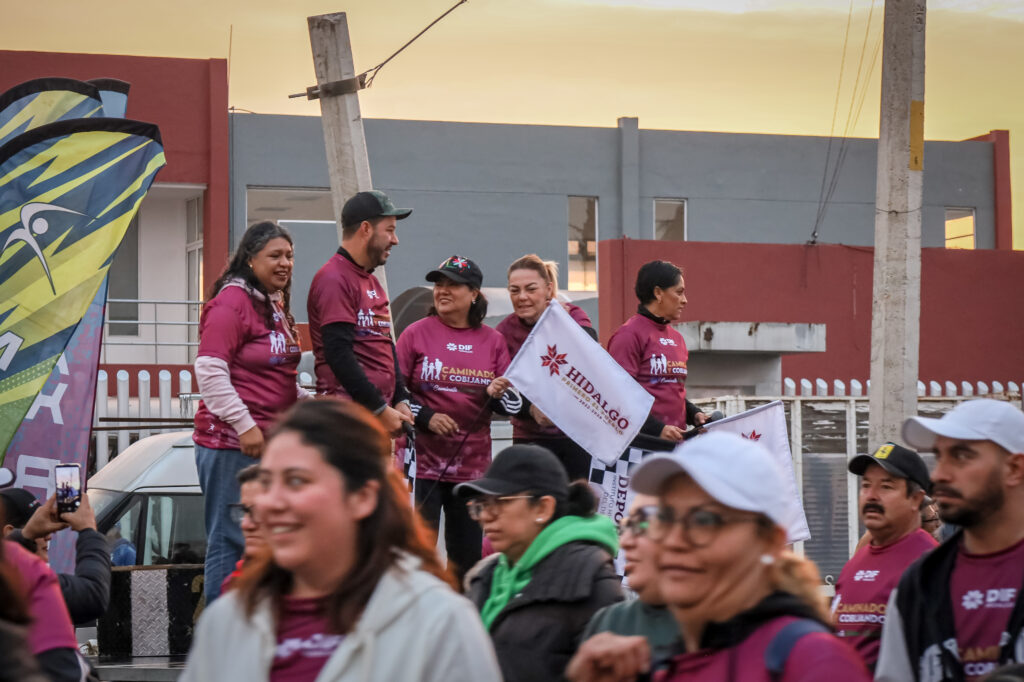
(777,652)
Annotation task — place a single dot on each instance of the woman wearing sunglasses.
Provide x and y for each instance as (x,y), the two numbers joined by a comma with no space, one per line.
(747,609)
(553,564)
(351,588)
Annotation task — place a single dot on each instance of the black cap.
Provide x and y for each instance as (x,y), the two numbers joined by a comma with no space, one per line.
(19,504)
(518,469)
(370,205)
(458,269)
(898,461)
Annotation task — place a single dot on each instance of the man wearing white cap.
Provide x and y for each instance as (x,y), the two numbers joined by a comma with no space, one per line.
(956,614)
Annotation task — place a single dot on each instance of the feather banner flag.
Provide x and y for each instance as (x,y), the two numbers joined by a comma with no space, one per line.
(47,100)
(68,191)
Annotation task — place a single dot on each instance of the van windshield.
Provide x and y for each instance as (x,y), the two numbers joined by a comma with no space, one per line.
(102,500)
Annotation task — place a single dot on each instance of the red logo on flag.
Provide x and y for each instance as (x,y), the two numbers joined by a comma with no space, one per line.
(553,360)
(753,435)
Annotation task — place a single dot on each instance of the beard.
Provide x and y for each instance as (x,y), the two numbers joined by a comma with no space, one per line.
(974,510)
(375,251)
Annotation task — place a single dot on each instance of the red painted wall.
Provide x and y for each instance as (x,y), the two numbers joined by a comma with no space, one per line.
(187,98)
(972,302)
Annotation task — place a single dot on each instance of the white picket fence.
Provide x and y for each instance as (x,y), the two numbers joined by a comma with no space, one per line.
(934,389)
(125,417)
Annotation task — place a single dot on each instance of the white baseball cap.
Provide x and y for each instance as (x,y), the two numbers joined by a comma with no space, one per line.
(737,472)
(982,419)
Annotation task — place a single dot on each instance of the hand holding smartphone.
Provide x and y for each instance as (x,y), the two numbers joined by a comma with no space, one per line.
(69,487)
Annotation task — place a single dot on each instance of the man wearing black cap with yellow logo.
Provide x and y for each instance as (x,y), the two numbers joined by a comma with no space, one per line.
(893,484)
(350,316)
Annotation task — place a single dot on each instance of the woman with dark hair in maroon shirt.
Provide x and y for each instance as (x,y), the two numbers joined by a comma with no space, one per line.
(246,370)
(532,283)
(453,365)
(654,353)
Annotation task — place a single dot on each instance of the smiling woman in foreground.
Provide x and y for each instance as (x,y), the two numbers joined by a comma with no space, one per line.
(352,578)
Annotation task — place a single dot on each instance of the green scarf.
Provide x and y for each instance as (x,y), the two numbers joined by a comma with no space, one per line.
(508,581)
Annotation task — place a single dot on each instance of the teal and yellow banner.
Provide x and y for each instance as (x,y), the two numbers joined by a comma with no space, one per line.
(47,100)
(68,191)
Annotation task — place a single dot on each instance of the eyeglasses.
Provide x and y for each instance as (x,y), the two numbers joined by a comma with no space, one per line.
(700,525)
(638,522)
(239,511)
(492,505)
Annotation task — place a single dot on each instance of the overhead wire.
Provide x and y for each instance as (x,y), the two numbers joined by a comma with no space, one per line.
(371,74)
(853,116)
(823,201)
(832,129)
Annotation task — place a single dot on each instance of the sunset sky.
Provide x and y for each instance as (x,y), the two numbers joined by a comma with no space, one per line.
(765,66)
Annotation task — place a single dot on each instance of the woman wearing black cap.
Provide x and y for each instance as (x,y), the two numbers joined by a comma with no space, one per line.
(452,365)
(654,353)
(553,568)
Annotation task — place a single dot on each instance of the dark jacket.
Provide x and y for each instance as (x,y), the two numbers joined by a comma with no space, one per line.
(919,623)
(87,592)
(539,630)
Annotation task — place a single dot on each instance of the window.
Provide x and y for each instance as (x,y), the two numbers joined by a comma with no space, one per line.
(286,205)
(175,530)
(959,228)
(670,220)
(194,267)
(583,243)
(124,284)
(121,535)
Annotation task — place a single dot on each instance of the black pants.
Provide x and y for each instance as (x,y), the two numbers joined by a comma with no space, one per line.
(462,535)
(575,459)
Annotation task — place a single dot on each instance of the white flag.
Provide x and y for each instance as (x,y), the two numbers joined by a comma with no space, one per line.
(766,424)
(578,386)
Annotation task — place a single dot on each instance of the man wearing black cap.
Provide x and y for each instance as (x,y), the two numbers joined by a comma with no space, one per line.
(350,316)
(893,484)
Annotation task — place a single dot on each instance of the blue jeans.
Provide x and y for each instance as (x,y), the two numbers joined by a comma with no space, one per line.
(218,470)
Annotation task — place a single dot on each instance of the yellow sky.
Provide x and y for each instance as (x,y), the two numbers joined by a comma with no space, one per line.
(767,66)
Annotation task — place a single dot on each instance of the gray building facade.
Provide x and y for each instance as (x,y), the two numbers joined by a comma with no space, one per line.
(493,192)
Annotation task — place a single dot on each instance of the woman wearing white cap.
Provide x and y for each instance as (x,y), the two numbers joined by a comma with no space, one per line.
(747,609)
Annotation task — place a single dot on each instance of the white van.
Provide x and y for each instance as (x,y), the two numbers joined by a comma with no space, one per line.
(149,504)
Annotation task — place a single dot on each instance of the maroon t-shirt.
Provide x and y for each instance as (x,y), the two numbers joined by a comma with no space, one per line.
(262,363)
(984,590)
(814,657)
(863,589)
(515,333)
(304,642)
(343,292)
(448,370)
(655,355)
(51,625)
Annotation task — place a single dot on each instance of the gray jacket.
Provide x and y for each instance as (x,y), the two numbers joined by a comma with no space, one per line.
(414,629)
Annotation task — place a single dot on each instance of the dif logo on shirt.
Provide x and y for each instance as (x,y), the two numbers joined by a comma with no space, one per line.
(1003,598)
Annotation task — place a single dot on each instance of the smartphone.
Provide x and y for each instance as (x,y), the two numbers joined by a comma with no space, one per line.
(69,487)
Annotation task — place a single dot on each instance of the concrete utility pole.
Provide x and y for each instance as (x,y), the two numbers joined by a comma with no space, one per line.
(896,312)
(344,141)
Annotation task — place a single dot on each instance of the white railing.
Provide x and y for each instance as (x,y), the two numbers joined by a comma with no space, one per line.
(160,332)
(934,389)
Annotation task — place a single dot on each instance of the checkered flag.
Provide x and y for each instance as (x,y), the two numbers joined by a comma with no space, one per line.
(611,485)
(405,452)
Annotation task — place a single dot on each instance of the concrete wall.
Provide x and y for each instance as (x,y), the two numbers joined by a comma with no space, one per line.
(493,192)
